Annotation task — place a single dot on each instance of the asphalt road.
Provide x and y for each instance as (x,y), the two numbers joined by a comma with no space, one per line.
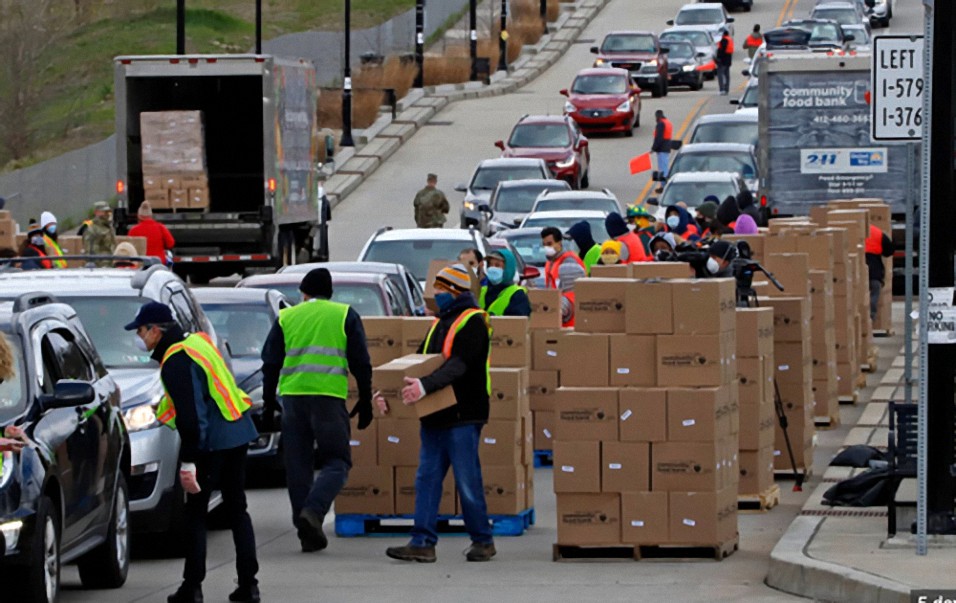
(357,569)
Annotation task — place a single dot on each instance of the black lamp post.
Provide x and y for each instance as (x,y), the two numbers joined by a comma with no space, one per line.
(180,26)
(503,38)
(346,140)
(258,26)
(420,43)
(544,15)
(473,37)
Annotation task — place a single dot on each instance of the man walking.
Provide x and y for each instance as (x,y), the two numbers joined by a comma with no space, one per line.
(99,238)
(450,437)
(308,355)
(431,206)
(725,55)
(753,41)
(210,412)
(661,147)
(878,246)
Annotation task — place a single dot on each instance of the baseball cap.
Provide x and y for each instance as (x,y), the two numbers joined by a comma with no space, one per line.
(152,313)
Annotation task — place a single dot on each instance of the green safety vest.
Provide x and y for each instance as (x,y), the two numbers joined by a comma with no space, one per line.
(56,251)
(315,362)
(501,302)
(232,401)
(591,258)
(449,342)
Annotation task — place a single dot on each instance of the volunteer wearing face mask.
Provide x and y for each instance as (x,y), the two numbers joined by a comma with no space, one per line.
(502,296)
(680,223)
(554,250)
(616,227)
(48,224)
(611,251)
(450,437)
(645,225)
(203,403)
(34,247)
(721,254)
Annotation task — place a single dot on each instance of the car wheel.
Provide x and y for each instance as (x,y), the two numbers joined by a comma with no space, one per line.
(637,120)
(107,565)
(39,580)
(664,88)
(629,131)
(699,83)
(586,179)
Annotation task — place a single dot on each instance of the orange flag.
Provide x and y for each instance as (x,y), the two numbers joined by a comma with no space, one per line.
(641,163)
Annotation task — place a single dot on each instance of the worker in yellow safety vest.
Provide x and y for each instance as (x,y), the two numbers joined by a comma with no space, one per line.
(502,296)
(204,404)
(49,226)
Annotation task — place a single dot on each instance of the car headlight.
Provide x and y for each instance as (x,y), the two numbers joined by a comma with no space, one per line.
(624,107)
(599,62)
(140,417)
(689,67)
(471,205)
(651,63)
(569,107)
(565,163)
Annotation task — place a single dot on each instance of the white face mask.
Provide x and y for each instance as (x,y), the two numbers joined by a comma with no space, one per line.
(140,344)
(712,266)
(550,252)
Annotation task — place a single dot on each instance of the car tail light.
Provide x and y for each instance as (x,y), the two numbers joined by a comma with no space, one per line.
(763,200)
(120,187)
(272,185)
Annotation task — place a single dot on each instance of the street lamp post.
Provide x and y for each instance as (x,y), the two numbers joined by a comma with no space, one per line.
(420,43)
(473,37)
(346,140)
(544,15)
(258,26)
(180,26)
(503,38)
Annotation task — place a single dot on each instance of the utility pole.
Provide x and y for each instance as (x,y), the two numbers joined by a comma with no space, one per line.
(346,140)
(473,37)
(180,26)
(503,38)
(420,43)
(544,15)
(258,26)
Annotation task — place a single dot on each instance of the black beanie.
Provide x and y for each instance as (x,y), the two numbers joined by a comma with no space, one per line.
(615,225)
(317,283)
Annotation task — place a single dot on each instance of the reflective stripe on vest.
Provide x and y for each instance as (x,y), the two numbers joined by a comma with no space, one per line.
(553,268)
(51,244)
(231,400)
(42,257)
(316,362)
(449,342)
(668,129)
(501,303)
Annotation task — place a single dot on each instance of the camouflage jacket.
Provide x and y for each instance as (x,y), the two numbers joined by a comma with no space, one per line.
(99,239)
(431,206)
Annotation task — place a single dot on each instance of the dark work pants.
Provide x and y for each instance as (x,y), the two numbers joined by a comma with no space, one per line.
(315,434)
(223,470)
(723,77)
(876,287)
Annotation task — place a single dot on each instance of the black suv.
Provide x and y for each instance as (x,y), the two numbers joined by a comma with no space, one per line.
(63,497)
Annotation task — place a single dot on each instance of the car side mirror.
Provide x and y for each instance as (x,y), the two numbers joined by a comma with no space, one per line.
(665,49)
(530,273)
(563,92)
(730,19)
(670,21)
(485,208)
(849,38)
(636,89)
(735,101)
(652,201)
(594,50)
(500,144)
(583,144)
(461,188)
(69,393)
(701,55)
(745,73)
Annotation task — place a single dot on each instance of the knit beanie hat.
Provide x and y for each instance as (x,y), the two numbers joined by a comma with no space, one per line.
(145,210)
(47,218)
(317,283)
(615,225)
(708,209)
(125,249)
(454,277)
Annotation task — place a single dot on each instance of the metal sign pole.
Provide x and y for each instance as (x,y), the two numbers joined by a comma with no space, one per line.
(908,275)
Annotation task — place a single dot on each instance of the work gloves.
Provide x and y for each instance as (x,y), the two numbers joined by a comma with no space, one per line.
(363,408)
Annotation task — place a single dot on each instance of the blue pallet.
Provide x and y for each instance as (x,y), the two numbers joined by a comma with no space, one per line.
(353,525)
(543,458)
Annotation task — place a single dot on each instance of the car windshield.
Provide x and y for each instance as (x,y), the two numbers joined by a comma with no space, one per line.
(563,224)
(540,135)
(416,255)
(825,32)
(693,193)
(725,161)
(520,199)
(598,203)
(244,326)
(843,16)
(697,38)
(529,247)
(749,99)
(366,299)
(680,51)
(13,393)
(740,132)
(290,290)
(104,317)
(860,36)
(700,16)
(488,178)
(790,37)
(628,43)
(599,84)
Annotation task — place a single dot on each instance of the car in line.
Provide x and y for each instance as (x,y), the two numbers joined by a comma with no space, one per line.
(603,200)
(725,127)
(718,157)
(526,243)
(415,248)
(513,199)
(604,100)
(565,219)
(369,293)
(557,140)
(105,299)
(825,35)
(702,40)
(844,13)
(403,279)
(488,173)
(861,39)
(638,52)
(691,188)
(710,15)
(685,65)
(750,98)
(64,497)
(881,12)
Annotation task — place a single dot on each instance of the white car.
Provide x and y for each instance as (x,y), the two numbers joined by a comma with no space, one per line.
(563,220)
(862,39)
(844,13)
(488,173)
(748,101)
(691,188)
(603,200)
(711,16)
(725,127)
(415,248)
(717,157)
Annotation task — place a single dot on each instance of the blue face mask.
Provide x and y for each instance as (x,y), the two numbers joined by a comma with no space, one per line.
(444,299)
(495,275)
(51,229)
(673,221)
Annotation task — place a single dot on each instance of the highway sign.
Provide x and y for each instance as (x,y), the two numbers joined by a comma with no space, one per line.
(897,88)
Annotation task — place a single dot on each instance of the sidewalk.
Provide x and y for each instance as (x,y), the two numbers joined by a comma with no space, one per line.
(841,553)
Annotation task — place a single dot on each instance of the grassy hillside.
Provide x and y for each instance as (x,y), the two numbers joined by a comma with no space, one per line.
(76,78)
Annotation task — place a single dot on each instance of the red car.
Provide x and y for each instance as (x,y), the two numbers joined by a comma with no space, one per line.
(604,100)
(640,53)
(556,139)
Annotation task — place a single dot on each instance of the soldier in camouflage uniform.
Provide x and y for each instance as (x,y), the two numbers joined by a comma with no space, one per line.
(99,238)
(431,206)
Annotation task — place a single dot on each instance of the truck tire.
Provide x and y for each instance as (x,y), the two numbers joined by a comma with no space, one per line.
(39,579)
(107,565)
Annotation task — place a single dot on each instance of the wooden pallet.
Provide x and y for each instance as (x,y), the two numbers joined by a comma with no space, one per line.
(640,552)
(830,422)
(861,381)
(351,525)
(787,474)
(760,503)
(850,399)
(883,332)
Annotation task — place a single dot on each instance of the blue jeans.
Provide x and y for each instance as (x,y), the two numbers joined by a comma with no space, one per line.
(457,447)
(723,78)
(663,159)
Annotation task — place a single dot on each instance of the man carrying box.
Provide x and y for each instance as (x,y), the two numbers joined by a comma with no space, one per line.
(450,437)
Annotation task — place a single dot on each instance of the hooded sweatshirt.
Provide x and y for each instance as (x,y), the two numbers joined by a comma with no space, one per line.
(667,238)
(686,227)
(746,205)
(728,212)
(617,228)
(588,249)
(518,305)
(745,226)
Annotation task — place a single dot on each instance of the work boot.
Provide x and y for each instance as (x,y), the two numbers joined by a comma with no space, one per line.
(480,552)
(311,534)
(185,594)
(246,594)
(421,554)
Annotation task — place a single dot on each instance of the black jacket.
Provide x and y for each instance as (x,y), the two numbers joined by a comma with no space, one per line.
(874,262)
(464,370)
(660,144)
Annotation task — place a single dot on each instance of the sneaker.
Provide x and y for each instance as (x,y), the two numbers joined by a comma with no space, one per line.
(185,594)
(480,552)
(311,535)
(246,594)
(421,554)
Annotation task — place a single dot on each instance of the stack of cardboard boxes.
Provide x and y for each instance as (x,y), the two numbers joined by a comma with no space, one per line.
(758,418)
(545,325)
(8,231)
(174,160)
(646,417)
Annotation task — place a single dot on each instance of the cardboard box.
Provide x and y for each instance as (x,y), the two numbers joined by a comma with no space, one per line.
(405,492)
(545,308)
(642,415)
(695,360)
(649,308)
(509,393)
(158,197)
(194,180)
(501,443)
(510,342)
(389,380)
(505,489)
(543,430)
(383,337)
(756,470)
(434,267)
(791,318)
(138,243)
(363,444)
(754,332)
(615,271)
(756,242)
(198,198)
(698,414)
(625,466)
(398,442)
(527,439)
(414,331)
(577,466)
(529,488)
(703,517)
(8,232)
(644,518)
(588,519)
(547,347)
(666,270)
(587,414)
(368,490)
(599,305)
(756,426)
(584,360)
(178,198)
(543,389)
(793,272)
(687,466)
(751,381)
(704,307)
(794,362)
(633,360)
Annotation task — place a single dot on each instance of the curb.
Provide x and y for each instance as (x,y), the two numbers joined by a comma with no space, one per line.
(419,106)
